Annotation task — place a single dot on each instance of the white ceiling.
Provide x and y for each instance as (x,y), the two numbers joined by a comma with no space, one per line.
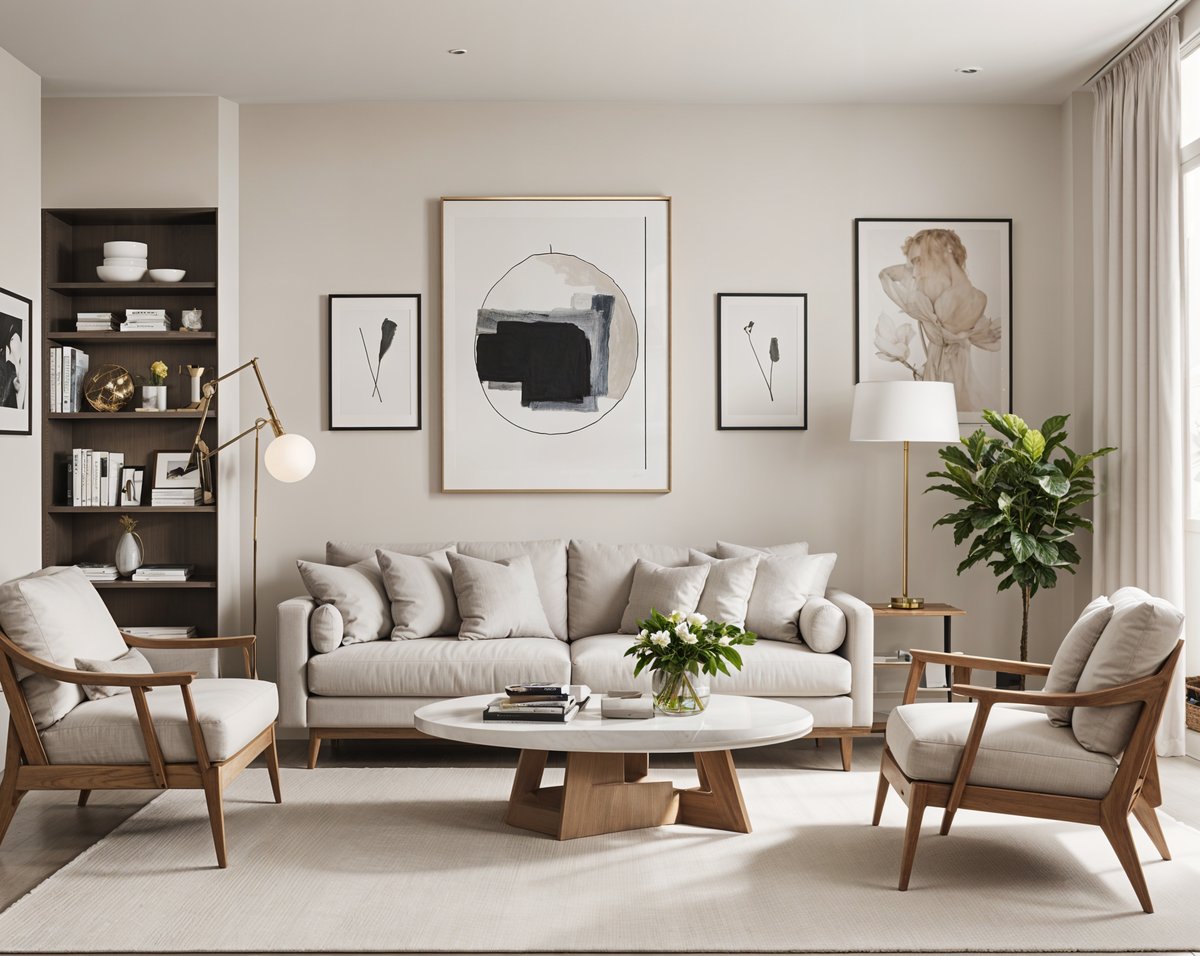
(715,51)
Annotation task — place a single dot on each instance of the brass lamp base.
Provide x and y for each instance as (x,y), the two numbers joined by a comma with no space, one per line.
(907,603)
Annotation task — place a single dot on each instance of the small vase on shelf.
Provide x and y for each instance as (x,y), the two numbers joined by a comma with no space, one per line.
(154,398)
(130,554)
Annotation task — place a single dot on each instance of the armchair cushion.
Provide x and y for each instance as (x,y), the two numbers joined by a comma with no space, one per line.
(132,662)
(56,615)
(1073,654)
(1020,750)
(231,713)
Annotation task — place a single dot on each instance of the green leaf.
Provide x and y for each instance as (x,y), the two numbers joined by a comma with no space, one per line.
(1046,552)
(1016,425)
(1034,442)
(1055,485)
(1022,545)
(981,522)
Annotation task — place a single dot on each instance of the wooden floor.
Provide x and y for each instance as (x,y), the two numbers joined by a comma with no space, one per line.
(49,830)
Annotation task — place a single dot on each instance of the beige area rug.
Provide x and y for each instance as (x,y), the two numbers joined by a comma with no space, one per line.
(418,860)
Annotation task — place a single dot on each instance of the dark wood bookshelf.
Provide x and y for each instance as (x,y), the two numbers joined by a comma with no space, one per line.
(72,248)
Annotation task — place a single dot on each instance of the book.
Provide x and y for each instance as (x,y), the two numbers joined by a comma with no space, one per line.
(549,691)
(187,630)
(55,380)
(76,476)
(95,571)
(509,706)
(559,718)
(102,478)
(116,465)
(64,383)
(165,570)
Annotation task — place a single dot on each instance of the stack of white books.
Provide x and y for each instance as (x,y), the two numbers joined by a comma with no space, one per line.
(164,631)
(175,497)
(93,321)
(94,477)
(146,320)
(163,572)
(68,370)
(98,571)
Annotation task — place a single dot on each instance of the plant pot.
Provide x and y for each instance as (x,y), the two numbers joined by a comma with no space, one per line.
(680,693)
(154,397)
(130,554)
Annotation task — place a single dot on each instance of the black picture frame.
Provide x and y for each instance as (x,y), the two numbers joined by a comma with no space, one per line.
(729,315)
(16,364)
(340,361)
(868,273)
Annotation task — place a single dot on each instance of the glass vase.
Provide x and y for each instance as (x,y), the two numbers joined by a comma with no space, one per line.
(680,693)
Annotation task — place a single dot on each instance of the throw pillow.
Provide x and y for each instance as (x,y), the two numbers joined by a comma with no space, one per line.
(421,588)
(726,593)
(497,599)
(782,585)
(1140,636)
(357,592)
(822,625)
(130,663)
(326,628)
(656,588)
(1072,656)
(790,550)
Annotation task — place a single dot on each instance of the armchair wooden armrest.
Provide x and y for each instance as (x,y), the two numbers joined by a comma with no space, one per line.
(98,678)
(245,641)
(964,663)
(1138,690)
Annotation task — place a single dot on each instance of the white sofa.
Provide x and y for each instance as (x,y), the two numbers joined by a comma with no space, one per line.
(372,690)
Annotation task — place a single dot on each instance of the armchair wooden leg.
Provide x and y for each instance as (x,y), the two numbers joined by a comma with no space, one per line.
(272,756)
(847,745)
(881,792)
(10,796)
(314,750)
(916,811)
(1149,820)
(216,814)
(83,797)
(1117,831)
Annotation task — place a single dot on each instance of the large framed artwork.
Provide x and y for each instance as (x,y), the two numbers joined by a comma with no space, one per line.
(374,362)
(16,364)
(933,302)
(556,338)
(762,360)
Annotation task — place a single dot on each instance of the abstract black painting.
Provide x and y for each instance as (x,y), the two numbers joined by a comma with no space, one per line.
(375,361)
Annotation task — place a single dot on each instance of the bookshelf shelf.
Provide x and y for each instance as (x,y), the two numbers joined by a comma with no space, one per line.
(112,338)
(130,509)
(191,584)
(132,288)
(126,416)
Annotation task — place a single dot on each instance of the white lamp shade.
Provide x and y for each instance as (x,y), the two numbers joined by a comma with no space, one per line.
(904,411)
(290,457)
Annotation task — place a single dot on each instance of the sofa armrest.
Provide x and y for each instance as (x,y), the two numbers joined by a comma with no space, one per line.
(293,650)
(859,650)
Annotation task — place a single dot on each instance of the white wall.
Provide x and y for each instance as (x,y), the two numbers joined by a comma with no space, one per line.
(343,198)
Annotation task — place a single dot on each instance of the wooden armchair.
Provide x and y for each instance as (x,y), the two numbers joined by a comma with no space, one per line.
(165,740)
(1134,786)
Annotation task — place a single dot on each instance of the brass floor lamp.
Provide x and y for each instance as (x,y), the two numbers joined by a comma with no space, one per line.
(289,457)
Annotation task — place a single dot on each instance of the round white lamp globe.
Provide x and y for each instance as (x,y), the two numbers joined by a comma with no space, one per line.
(290,457)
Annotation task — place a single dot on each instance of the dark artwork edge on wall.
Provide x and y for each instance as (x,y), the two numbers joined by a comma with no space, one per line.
(720,296)
(386,338)
(7,379)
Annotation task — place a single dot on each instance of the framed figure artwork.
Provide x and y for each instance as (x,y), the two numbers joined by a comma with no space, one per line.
(16,364)
(375,362)
(762,360)
(556,337)
(933,302)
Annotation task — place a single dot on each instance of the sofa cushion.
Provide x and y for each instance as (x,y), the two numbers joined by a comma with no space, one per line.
(787,550)
(437,667)
(57,616)
(1141,635)
(771,669)
(1021,750)
(661,589)
(600,578)
(822,625)
(421,590)
(325,628)
(549,561)
(357,592)
(497,599)
(1073,653)
(346,553)
(231,713)
(782,583)
(131,662)
(727,588)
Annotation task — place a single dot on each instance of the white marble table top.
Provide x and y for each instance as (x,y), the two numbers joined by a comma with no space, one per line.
(728,723)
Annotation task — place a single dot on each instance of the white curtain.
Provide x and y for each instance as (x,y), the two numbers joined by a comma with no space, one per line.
(1138,386)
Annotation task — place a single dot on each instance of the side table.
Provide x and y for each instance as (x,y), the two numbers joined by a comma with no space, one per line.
(947,612)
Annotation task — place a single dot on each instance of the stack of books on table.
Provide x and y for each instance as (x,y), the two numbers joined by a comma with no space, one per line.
(175,497)
(544,703)
(146,320)
(93,321)
(165,631)
(163,572)
(95,571)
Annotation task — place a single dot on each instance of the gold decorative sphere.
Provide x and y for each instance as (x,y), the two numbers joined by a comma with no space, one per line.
(109,388)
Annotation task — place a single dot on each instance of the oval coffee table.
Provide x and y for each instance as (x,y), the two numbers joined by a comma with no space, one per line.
(604,790)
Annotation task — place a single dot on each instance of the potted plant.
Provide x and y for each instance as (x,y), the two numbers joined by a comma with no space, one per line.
(1022,493)
(683,651)
(154,396)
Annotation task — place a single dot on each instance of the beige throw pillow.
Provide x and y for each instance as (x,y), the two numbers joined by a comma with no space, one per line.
(726,593)
(132,662)
(357,592)
(497,599)
(661,589)
(1073,654)
(326,629)
(785,550)
(421,589)
(822,625)
(782,585)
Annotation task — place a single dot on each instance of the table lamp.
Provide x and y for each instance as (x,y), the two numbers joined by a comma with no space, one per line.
(904,412)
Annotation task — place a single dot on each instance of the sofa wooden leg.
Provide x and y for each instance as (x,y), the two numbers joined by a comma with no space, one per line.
(216,814)
(847,745)
(881,792)
(83,798)
(912,833)
(314,750)
(272,756)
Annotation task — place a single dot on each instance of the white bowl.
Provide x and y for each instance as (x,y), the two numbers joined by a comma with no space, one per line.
(120,273)
(167,275)
(125,261)
(126,250)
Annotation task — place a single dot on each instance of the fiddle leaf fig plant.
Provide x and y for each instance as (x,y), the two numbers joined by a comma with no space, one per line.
(1021,493)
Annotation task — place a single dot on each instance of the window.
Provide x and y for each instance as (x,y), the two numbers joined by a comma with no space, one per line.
(1189,159)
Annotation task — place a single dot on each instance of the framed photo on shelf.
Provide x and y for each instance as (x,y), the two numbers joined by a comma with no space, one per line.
(133,479)
(762,360)
(375,362)
(16,364)
(556,337)
(933,302)
(169,470)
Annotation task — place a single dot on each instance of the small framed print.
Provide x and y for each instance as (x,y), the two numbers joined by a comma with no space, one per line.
(132,479)
(170,470)
(16,366)
(762,360)
(375,362)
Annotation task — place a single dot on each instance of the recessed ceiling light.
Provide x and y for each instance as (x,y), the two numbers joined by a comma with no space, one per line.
(961,69)
(457,51)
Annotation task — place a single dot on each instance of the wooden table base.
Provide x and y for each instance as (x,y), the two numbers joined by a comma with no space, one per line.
(606,793)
